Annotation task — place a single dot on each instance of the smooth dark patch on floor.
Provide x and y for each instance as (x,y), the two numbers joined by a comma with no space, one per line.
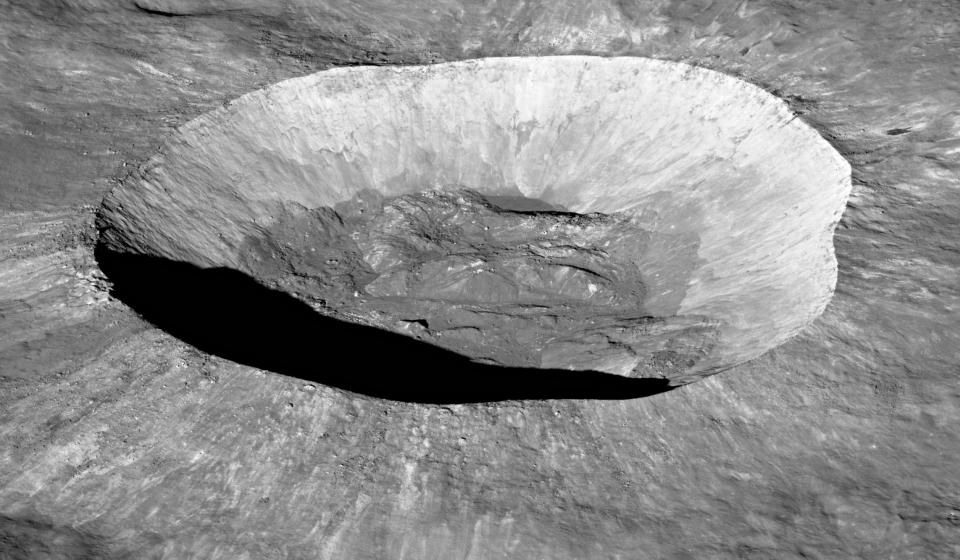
(228,314)
(28,539)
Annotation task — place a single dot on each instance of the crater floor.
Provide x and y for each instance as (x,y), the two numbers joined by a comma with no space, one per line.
(506,280)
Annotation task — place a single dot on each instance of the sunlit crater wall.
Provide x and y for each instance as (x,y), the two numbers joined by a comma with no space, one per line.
(690,153)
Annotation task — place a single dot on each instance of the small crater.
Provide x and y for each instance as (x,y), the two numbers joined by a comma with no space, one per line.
(897,131)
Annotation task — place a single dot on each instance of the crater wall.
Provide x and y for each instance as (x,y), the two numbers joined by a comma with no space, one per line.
(694,157)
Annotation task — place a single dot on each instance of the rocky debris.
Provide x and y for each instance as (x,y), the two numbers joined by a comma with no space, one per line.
(457,247)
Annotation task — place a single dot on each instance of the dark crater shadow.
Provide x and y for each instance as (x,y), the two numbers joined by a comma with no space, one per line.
(228,314)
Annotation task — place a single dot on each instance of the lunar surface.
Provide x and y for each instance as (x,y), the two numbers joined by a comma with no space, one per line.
(585,279)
